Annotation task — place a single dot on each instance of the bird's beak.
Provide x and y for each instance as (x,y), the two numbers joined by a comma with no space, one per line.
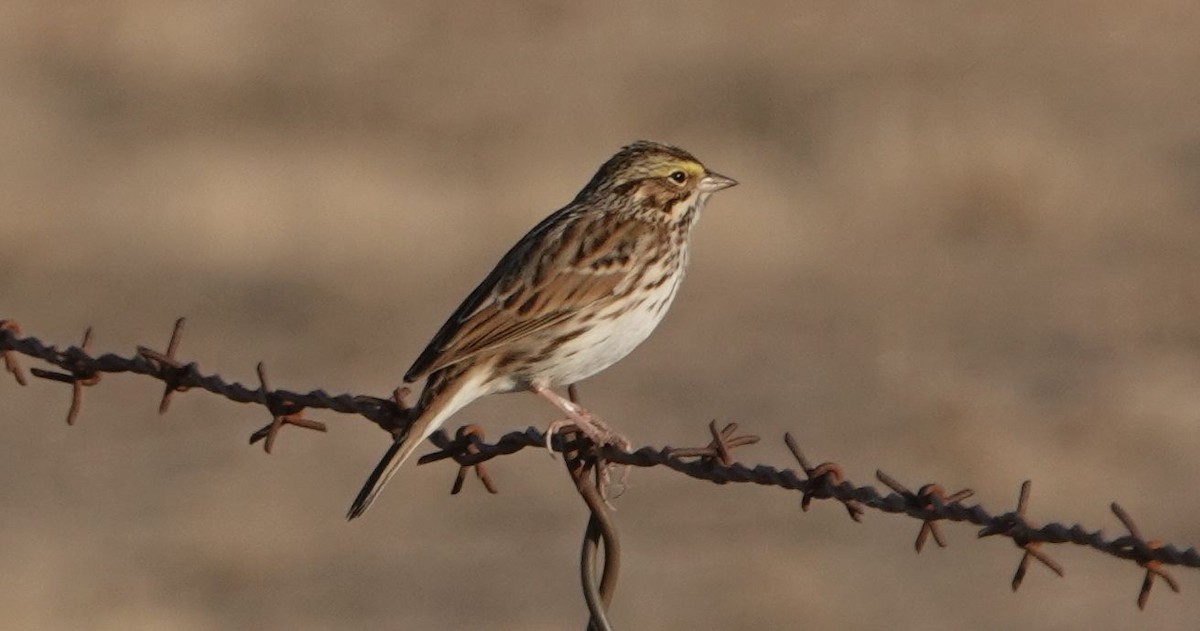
(713,182)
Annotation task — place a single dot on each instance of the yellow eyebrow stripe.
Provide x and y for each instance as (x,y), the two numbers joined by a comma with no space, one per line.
(666,168)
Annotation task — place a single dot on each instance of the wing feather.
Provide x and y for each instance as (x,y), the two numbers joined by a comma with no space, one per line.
(539,283)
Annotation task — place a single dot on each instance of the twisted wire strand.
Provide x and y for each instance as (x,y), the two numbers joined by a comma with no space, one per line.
(381,411)
(1009,523)
(702,464)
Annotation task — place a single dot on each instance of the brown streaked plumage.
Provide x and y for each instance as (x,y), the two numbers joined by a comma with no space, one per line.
(576,294)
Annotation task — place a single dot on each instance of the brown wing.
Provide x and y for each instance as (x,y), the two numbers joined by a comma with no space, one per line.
(567,262)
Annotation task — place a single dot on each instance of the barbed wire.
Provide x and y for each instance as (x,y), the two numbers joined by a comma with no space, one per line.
(930,504)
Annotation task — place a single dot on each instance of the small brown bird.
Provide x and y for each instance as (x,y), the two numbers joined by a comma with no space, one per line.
(571,298)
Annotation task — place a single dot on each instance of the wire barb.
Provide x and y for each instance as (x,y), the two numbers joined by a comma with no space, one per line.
(174,373)
(81,373)
(821,479)
(931,497)
(1015,526)
(11,328)
(465,444)
(1154,568)
(718,450)
(283,412)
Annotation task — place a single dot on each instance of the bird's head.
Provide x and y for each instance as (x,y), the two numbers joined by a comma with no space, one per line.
(657,181)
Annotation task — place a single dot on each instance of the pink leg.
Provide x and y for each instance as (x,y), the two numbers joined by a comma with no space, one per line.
(591,425)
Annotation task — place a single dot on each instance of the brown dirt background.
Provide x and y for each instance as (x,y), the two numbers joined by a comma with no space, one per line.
(966,249)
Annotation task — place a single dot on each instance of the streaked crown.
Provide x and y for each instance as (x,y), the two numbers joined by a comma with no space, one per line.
(646,160)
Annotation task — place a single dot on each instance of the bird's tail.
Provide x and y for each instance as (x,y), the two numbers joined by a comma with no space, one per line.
(434,409)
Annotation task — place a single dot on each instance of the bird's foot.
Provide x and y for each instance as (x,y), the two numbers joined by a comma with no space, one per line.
(591,426)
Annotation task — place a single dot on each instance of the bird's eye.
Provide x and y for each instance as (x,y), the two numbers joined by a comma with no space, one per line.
(678,177)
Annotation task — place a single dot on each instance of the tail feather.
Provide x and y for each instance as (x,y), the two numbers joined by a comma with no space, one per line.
(451,391)
(400,450)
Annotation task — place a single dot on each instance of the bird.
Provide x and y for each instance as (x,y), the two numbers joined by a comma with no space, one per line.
(575,295)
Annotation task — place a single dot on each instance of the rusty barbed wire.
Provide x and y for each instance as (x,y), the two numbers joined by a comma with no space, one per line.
(713,463)
(387,413)
(601,528)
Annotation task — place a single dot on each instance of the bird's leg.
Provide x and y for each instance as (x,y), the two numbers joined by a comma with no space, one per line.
(604,468)
(595,429)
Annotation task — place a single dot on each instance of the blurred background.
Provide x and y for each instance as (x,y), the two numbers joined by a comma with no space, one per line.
(966,249)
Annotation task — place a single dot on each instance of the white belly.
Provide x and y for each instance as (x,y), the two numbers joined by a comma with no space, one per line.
(608,340)
(605,344)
